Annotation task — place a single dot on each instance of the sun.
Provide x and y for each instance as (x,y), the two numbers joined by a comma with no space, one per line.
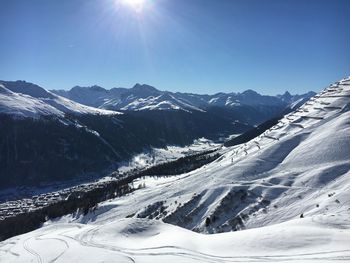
(137,5)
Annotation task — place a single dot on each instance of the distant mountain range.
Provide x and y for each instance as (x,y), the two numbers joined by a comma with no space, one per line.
(145,97)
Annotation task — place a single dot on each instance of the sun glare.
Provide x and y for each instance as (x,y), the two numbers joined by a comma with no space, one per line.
(137,5)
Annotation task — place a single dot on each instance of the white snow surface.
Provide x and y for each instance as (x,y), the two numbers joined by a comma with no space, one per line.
(33,105)
(287,191)
(317,239)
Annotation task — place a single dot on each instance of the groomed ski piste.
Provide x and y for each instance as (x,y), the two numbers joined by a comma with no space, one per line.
(282,197)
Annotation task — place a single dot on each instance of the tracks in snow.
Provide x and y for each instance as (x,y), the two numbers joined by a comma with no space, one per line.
(31,251)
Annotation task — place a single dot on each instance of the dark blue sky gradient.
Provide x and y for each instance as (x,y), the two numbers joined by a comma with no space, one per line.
(201,46)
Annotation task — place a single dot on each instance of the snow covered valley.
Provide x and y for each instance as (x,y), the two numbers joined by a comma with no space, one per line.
(283,196)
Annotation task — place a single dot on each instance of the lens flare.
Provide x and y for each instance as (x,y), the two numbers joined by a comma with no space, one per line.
(137,5)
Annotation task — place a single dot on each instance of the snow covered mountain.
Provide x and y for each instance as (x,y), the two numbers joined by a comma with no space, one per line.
(41,129)
(145,97)
(20,98)
(285,172)
(288,190)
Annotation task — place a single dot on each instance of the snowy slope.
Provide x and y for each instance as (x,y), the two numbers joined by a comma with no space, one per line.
(288,190)
(24,99)
(24,105)
(133,240)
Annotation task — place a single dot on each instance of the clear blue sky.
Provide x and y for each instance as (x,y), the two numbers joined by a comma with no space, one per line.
(201,46)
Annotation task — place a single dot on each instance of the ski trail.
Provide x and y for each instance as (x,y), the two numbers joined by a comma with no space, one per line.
(31,251)
(58,239)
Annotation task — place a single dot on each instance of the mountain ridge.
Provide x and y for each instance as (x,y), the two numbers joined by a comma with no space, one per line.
(25,99)
(134,98)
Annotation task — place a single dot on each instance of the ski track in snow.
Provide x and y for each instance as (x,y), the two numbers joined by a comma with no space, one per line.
(89,237)
(27,247)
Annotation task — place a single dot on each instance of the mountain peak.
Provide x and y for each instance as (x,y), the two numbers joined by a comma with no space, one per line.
(286,96)
(92,88)
(250,92)
(143,91)
(97,88)
(144,87)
